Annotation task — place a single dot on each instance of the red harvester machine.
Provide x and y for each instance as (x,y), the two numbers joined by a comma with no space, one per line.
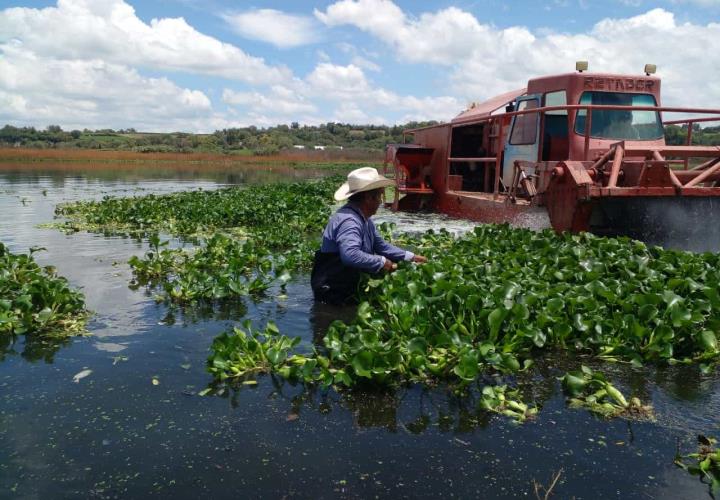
(586,149)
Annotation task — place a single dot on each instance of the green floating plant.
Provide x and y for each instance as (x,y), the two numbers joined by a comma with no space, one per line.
(497,298)
(704,463)
(36,301)
(221,268)
(589,389)
(490,301)
(248,238)
(283,210)
(240,352)
(499,399)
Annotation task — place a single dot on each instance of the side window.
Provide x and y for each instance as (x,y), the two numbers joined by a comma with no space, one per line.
(558,98)
(525,127)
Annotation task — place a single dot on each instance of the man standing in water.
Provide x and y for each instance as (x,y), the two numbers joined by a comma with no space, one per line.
(351,244)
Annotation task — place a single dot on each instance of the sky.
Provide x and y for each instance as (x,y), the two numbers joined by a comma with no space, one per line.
(204,65)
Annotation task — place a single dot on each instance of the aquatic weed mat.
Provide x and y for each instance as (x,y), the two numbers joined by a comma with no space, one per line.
(488,301)
(495,299)
(296,206)
(247,238)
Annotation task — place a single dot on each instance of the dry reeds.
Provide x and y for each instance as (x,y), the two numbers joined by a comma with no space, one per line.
(93,155)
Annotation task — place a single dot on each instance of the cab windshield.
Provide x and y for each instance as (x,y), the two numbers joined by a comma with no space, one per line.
(620,124)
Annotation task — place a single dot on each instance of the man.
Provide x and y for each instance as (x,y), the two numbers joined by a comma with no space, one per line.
(351,244)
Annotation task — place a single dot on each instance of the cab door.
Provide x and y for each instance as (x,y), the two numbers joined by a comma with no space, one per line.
(522,141)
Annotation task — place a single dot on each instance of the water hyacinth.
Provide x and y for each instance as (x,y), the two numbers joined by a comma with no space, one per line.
(248,238)
(499,296)
(589,389)
(35,301)
(488,302)
(498,399)
(283,211)
(221,268)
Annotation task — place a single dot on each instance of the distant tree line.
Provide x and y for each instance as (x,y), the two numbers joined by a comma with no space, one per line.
(254,140)
(246,140)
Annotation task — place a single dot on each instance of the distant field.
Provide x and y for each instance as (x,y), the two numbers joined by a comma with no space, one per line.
(298,159)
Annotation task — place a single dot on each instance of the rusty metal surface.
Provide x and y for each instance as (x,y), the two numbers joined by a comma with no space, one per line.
(480,207)
(484,109)
(596,171)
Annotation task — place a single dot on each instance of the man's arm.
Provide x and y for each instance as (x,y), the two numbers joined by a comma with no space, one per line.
(382,247)
(349,241)
(392,252)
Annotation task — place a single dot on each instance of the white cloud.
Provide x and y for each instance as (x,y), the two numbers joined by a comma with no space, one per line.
(273,26)
(348,86)
(440,37)
(338,93)
(381,18)
(361,62)
(485,60)
(350,112)
(280,101)
(92,94)
(357,58)
(81,64)
(337,82)
(110,30)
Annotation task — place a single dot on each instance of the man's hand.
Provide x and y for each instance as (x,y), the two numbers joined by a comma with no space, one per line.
(389,265)
(420,259)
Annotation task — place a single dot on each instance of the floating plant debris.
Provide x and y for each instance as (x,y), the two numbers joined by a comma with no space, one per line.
(589,389)
(704,463)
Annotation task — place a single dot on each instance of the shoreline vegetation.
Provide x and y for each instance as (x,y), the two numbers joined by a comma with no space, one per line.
(317,143)
(248,141)
(300,159)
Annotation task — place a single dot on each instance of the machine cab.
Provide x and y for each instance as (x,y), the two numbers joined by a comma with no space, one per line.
(559,135)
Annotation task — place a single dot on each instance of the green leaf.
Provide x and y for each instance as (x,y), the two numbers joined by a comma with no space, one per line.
(495,320)
(574,383)
(680,316)
(343,378)
(555,305)
(468,368)
(539,338)
(362,364)
(417,345)
(616,395)
(45,315)
(647,312)
(708,341)
(276,356)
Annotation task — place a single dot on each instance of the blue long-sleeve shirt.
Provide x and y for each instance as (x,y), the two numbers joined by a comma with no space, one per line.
(358,242)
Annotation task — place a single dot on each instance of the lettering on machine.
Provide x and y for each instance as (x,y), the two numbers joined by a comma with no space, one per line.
(619,84)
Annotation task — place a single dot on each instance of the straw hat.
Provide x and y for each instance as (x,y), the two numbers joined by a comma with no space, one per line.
(362,179)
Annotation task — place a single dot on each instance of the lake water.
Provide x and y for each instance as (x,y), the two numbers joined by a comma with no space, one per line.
(117,434)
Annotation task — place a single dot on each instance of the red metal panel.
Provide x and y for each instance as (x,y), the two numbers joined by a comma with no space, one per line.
(485,109)
(480,207)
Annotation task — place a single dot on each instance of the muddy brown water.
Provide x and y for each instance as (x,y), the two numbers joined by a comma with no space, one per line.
(116,434)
